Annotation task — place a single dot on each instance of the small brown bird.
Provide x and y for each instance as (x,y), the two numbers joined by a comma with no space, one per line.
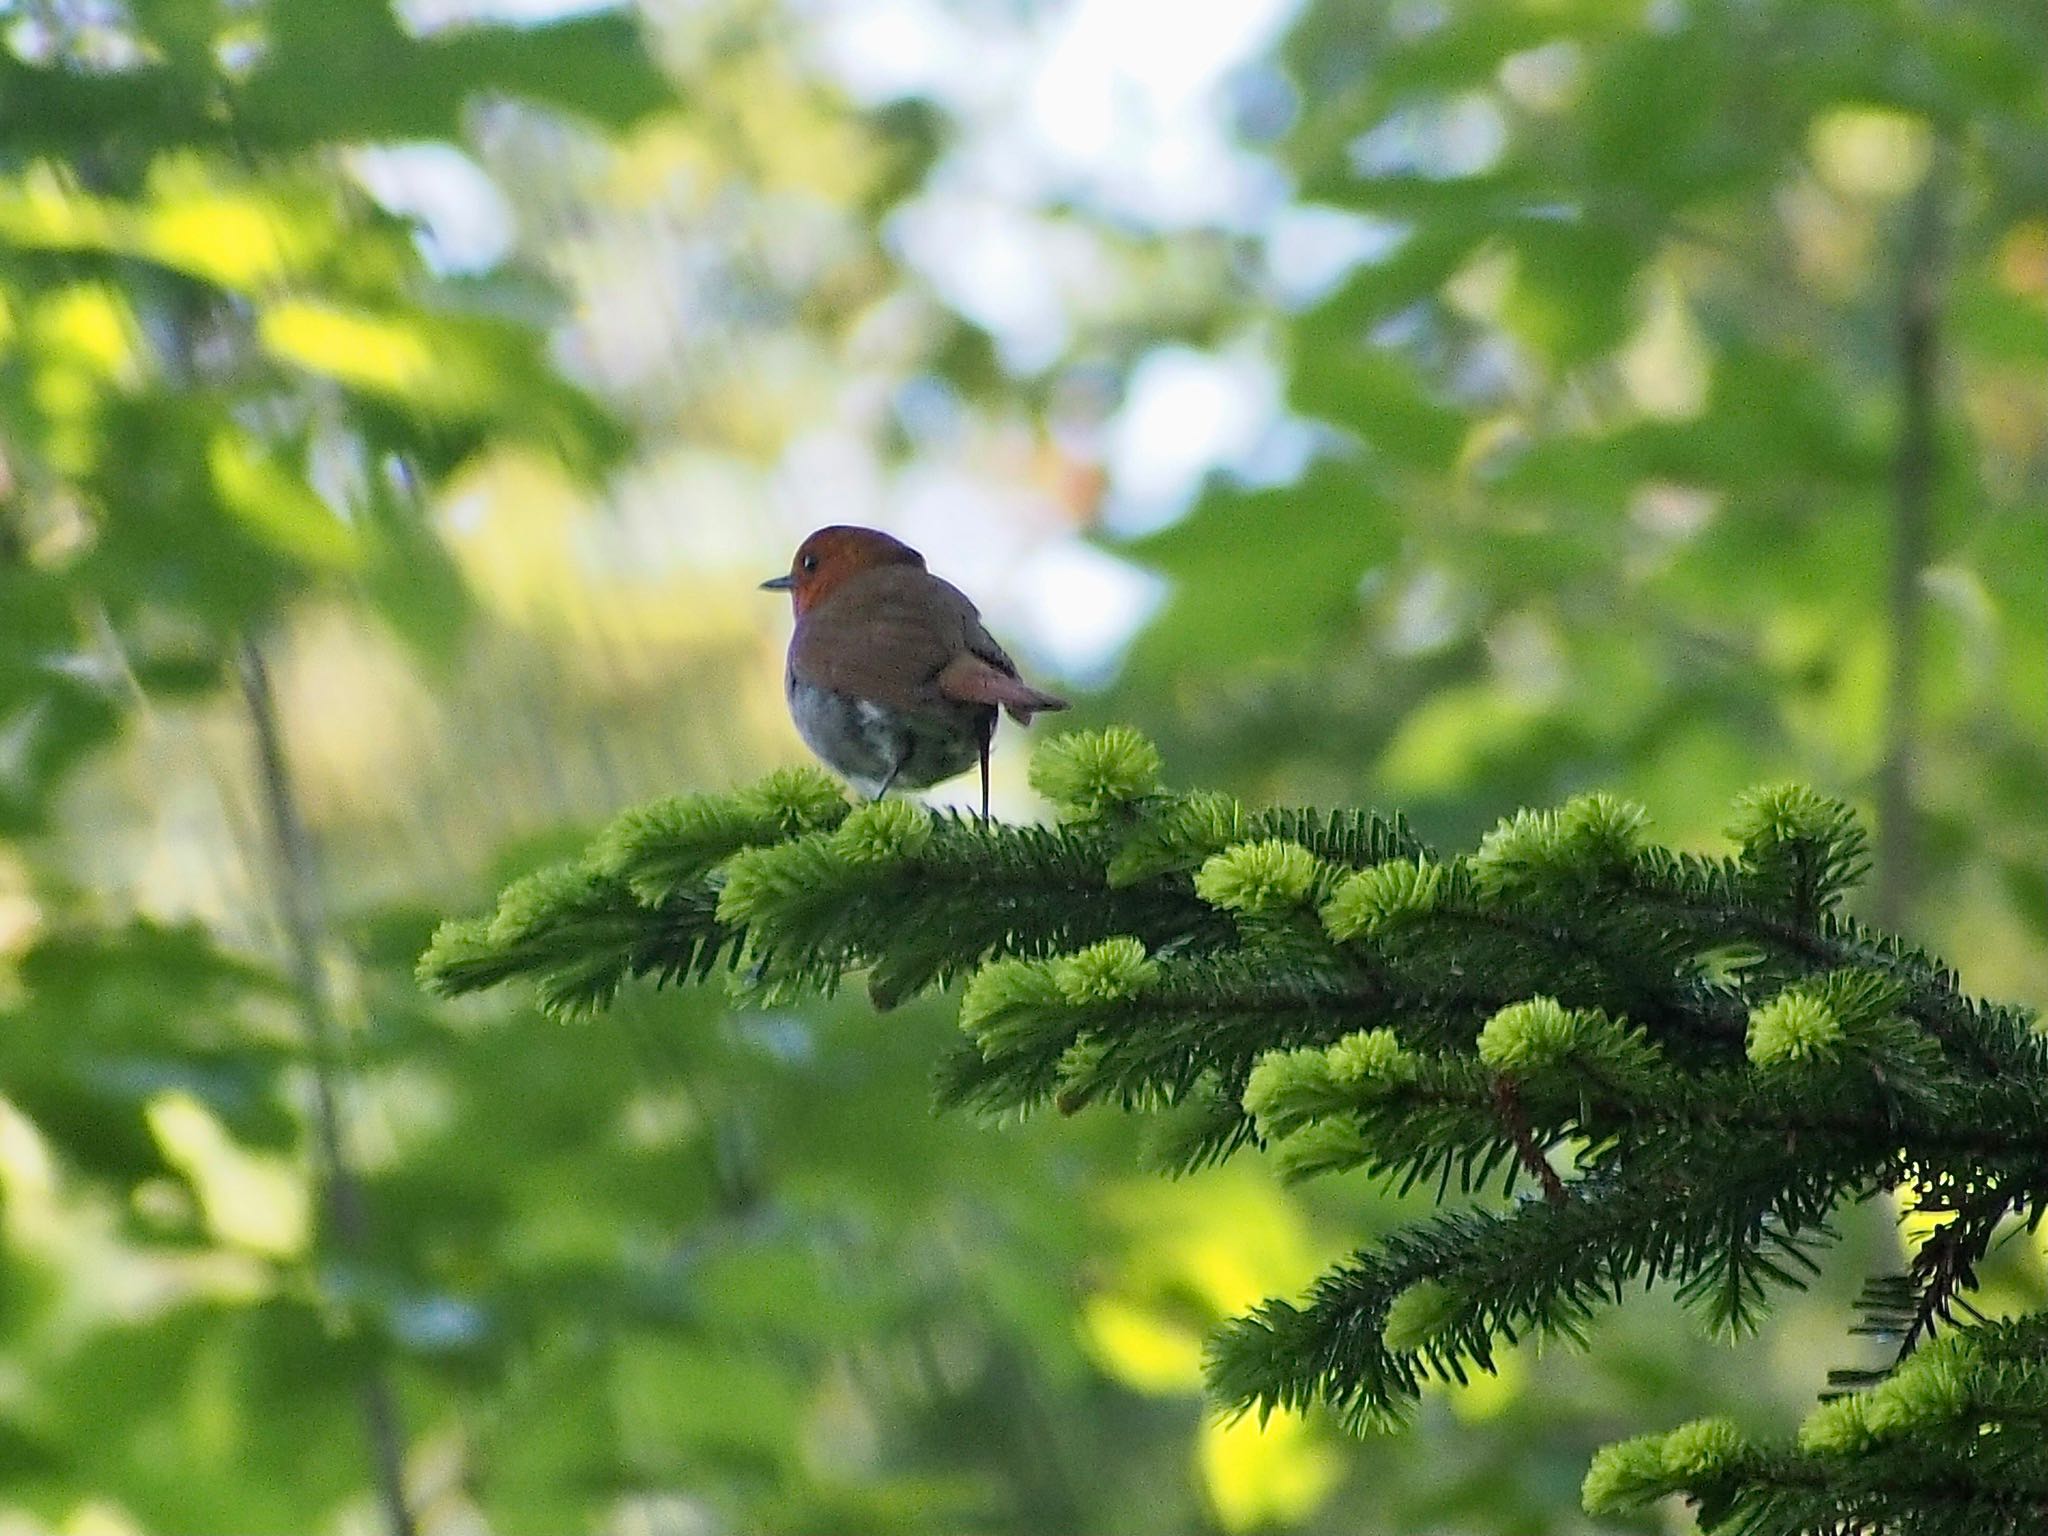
(892,680)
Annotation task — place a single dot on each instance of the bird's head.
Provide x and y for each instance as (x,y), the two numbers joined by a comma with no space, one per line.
(829,556)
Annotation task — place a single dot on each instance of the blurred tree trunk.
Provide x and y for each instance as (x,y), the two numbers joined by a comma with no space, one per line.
(1914,475)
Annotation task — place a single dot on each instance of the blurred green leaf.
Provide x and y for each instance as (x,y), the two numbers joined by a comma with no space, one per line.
(349,71)
(1317,539)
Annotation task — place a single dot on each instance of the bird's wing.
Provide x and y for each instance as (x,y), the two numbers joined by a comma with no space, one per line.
(885,634)
(903,637)
(984,674)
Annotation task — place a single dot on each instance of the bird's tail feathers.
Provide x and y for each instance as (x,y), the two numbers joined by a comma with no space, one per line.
(1034,701)
(975,680)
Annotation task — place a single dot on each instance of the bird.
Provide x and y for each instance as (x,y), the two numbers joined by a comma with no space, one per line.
(892,679)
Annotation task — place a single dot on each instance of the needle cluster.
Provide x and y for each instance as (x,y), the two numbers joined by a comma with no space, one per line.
(1610,1063)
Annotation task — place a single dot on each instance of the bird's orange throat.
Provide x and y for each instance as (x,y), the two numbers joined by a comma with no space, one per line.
(831,556)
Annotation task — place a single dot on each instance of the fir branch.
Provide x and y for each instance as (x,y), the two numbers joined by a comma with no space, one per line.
(1542,1268)
(578,937)
(1950,1444)
(927,912)
(1946,1266)
(1731,1058)
(1201,1017)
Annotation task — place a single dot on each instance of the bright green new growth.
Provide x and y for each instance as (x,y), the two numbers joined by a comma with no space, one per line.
(530,903)
(1648,1467)
(1792,1027)
(1370,1056)
(1800,844)
(1004,989)
(756,878)
(1179,834)
(1588,837)
(1838,1426)
(1702,1448)
(1328,1145)
(799,799)
(1954,1384)
(1534,1034)
(883,830)
(1774,816)
(1624,1475)
(1290,1091)
(1603,829)
(1553,1016)
(1258,878)
(1105,972)
(1952,1435)
(1086,773)
(1374,899)
(1540,1035)
(659,847)
(1281,1082)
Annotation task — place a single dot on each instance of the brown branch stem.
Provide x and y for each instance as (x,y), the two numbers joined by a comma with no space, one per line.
(1508,1104)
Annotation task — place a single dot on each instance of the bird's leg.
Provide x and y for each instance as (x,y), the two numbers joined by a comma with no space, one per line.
(988,737)
(892,774)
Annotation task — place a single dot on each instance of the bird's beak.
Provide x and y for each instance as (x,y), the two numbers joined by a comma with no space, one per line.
(777,584)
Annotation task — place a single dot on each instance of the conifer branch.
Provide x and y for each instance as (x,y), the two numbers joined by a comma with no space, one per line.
(1946,1266)
(1730,1057)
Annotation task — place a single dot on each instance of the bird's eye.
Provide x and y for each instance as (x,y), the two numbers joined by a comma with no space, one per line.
(809,562)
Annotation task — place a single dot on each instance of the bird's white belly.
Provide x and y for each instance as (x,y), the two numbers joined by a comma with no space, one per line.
(868,743)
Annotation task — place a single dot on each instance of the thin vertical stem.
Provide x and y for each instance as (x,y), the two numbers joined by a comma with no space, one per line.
(1915,468)
(299,907)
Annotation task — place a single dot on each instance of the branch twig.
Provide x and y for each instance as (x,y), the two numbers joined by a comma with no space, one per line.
(1509,1104)
(1946,1266)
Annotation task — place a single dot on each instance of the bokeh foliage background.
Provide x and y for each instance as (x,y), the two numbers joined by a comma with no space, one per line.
(1440,406)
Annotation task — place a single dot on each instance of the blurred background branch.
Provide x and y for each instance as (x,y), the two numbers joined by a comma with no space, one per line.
(295,880)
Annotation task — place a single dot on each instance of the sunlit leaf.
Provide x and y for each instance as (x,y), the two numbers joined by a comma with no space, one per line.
(1262,1473)
(278,507)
